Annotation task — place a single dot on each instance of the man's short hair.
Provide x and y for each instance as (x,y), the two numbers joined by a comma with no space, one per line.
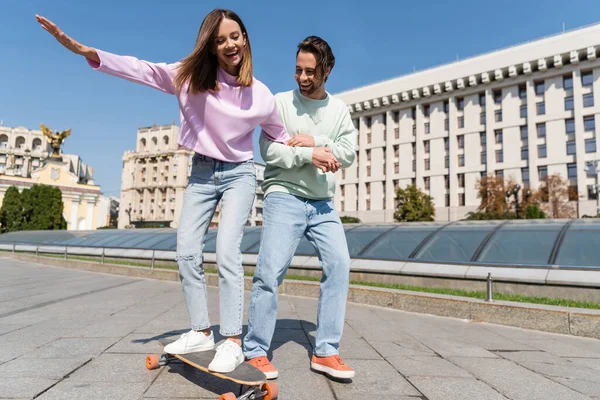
(322,52)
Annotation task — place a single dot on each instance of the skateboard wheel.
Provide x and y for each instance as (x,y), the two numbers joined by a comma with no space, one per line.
(152,361)
(271,389)
(228,396)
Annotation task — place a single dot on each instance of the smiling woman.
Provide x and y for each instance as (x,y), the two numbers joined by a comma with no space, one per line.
(213,85)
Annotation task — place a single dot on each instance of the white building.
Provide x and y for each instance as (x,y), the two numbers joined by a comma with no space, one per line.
(524,112)
(154,179)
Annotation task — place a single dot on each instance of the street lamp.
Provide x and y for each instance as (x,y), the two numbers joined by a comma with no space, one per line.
(514,192)
(592,168)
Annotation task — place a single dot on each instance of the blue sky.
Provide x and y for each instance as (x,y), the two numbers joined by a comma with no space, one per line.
(40,82)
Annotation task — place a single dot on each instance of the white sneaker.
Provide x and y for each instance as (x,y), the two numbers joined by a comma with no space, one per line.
(190,342)
(229,356)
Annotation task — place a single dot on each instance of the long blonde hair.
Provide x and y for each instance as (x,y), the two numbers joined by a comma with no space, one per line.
(199,69)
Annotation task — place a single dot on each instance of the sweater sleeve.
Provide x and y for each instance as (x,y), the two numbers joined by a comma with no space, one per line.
(155,75)
(272,126)
(283,156)
(343,146)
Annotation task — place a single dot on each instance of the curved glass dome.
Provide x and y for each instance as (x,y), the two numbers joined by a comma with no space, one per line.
(564,243)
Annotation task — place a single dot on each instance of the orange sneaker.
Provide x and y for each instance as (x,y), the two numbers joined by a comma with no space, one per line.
(332,366)
(263,364)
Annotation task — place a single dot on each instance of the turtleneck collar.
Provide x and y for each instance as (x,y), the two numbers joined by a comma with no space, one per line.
(226,78)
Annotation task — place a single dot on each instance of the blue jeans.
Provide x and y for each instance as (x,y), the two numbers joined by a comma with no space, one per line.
(286,219)
(210,181)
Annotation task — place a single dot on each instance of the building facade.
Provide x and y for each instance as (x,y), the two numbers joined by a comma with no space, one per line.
(523,113)
(25,161)
(154,179)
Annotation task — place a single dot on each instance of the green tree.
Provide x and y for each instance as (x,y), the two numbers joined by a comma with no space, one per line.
(533,211)
(413,205)
(37,208)
(349,220)
(11,216)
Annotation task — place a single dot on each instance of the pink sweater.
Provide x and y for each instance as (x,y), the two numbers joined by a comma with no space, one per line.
(220,124)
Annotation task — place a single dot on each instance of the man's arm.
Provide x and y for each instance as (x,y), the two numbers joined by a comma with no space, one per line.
(343,146)
(281,155)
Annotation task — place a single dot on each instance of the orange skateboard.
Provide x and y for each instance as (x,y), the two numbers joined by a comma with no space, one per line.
(245,374)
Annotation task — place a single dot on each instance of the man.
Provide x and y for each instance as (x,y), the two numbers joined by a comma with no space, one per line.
(299,186)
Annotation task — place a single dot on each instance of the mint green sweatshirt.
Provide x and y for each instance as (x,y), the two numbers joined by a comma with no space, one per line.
(290,169)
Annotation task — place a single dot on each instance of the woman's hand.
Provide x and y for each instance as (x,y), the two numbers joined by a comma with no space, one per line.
(68,42)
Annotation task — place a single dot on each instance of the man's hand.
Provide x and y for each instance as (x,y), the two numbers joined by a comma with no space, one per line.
(324,160)
(302,140)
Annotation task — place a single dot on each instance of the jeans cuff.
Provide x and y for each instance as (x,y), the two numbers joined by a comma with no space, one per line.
(255,354)
(335,353)
(200,327)
(229,334)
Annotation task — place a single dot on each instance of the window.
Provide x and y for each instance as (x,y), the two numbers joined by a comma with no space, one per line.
(524,153)
(524,132)
(541,150)
(572,170)
(499,156)
(522,92)
(396,116)
(499,173)
(461,160)
(461,141)
(396,168)
(498,136)
(446,144)
(482,118)
(590,145)
(447,181)
(414,129)
(461,180)
(368,155)
(589,123)
(592,194)
(413,112)
(570,125)
(396,133)
(414,165)
(368,137)
(426,146)
(461,199)
(525,176)
(498,115)
(396,150)
(426,110)
(368,122)
(569,103)
(427,127)
(571,147)
(568,82)
(587,78)
(482,99)
(541,130)
(461,122)
(482,138)
(524,111)
(447,162)
(588,100)
(369,170)
(543,172)
(427,183)
(541,108)
(446,106)
(483,158)
(447,198)
(460,103)
(539,88)
(427,164)
(446,124)
(498,96)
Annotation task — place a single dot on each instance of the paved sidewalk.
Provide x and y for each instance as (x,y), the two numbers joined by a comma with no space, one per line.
(67,334)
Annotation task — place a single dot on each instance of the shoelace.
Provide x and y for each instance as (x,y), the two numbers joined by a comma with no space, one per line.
(226,348)
(262,362)
(338,360)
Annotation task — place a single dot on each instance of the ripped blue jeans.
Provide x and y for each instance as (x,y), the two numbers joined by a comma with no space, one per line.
(211,181)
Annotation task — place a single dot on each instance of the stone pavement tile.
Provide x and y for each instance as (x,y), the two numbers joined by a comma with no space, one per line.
(289,335)
(7,328)
(427,367)
(563,348)
(288,323)
(539,356)
(574,376)
(115,368)
(137,343)
(455,389)
(55,368)
(179,380)
(107,327)
(290,356)
(593,363)
(404,347)
(451,347)
(72,348)
(477,335)
(302,383)
(514,381)
(70,390)
(373,379)
(10,351)
(24,387)
(357,349)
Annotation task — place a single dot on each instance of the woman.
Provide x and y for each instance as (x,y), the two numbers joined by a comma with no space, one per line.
(221,103)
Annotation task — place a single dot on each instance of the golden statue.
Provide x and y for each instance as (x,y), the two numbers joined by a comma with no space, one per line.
(55,140)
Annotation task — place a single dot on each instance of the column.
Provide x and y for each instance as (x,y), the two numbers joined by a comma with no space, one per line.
(91,203)
(74,213)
